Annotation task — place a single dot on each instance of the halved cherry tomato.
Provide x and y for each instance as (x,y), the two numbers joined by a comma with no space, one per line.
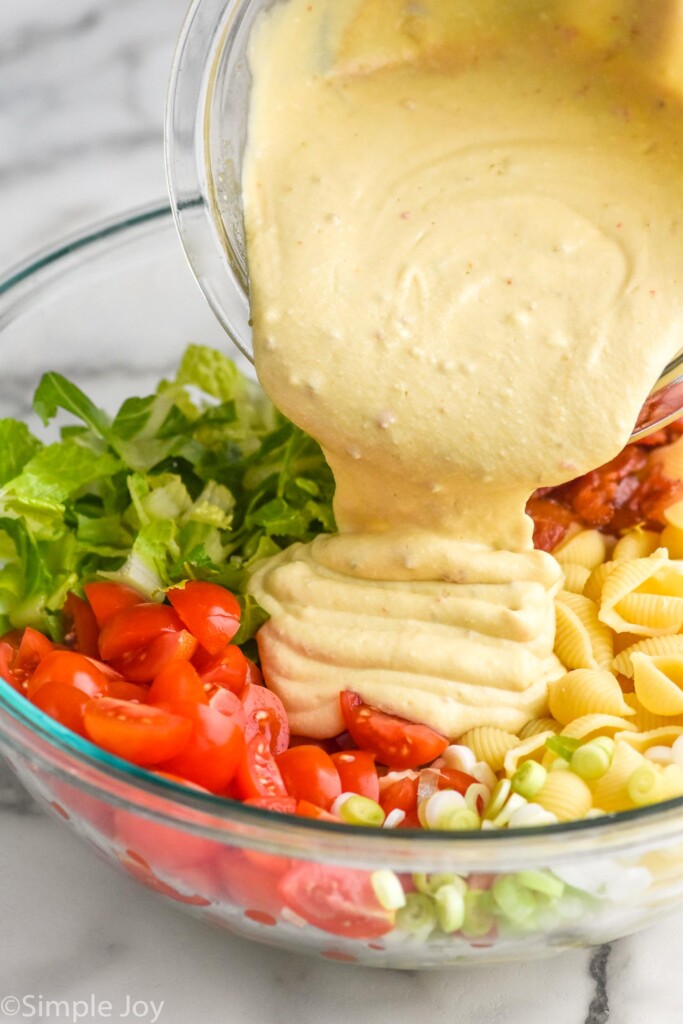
(257,773)
(84,631)
(228,703)
(140,870)
(106,598)
(163,847)
(136,732)
(136,627)
(357,772)
(210,612)
(400,795)
(70,668)
(305,809)
(396,742)
(453,778)
(278,804)
(143,665)
(263,707)
(340,901)
(254,674)
(309,774)
(229,668)
(33,647)
(255,888)
(177,681)
(122,690)
(7,656)
(215,747)
(64,703)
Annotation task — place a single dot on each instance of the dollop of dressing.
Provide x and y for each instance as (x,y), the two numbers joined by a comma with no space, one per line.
(465,241)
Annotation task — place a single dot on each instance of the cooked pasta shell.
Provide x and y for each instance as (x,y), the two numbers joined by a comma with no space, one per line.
(587,548)
(636,543)
(575,577)
(589,726)
(581,640)
(671,538)
(489,744)
(653,645)
(538,725)
(668,459)
(596,581)
(533,748)
(584,692)
(610,792)
(674,514)
(565,795)
(644,720)
(658,682)
(642,741)
(627,605)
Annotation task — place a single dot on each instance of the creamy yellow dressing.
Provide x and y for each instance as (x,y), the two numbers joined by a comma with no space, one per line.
(464,230)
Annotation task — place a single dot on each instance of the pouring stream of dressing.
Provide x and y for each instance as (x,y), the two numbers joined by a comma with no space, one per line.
(464,229)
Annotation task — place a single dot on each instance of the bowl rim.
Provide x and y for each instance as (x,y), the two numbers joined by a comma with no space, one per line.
(616,830)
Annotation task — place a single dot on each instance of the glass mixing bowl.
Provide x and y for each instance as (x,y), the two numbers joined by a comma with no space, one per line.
(114,309)
(206,131)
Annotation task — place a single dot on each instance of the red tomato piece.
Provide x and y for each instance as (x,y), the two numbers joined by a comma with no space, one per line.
(84,629)
(229,668)
(264,708)
(7,656)
(215,747)
(400,795)
(257,773)
(143,665)
(278,804)
(251,886)
(122,690)
(254,675)
(166,849)
(309,774)
(132,628)
(357,772)
(453,778)
(142,872)
(340,901)
(106,598)
(228,703)
(64,703)
(178,681)
(210,612)
(33,647)
(305,809)
(395,741)
(139,733)
(70,668)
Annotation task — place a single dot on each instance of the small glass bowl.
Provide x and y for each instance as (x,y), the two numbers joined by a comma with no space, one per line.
(206,132)
(113,310)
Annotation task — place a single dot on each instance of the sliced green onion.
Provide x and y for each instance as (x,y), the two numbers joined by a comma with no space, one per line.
(388,889)
(559,765)
(430,884)
(479,919)
(361,810)
(645,786)
(528,779)
(513,804)
(607,744)
(563,746)
(591,761)
(514,900)
(501,792)
(446,811)
(450,908)
(418,916)
(541,882)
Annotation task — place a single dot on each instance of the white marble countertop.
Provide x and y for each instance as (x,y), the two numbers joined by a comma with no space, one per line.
(81,107)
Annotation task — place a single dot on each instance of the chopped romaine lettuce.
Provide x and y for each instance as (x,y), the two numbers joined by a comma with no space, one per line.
(198,481)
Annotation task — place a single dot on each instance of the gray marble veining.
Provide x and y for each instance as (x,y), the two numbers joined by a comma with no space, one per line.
(82,87)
